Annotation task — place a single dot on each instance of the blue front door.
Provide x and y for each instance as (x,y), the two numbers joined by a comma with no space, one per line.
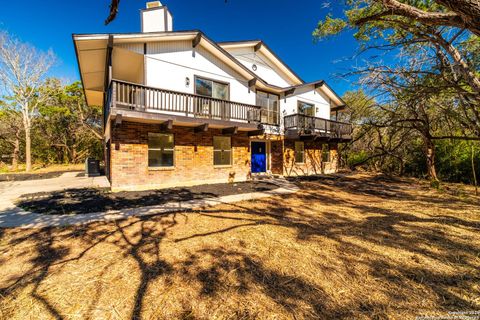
(259,157)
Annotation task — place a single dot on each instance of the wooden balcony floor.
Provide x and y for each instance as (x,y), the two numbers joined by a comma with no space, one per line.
(180,120)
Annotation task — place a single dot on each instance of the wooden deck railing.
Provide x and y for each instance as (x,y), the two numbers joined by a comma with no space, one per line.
(313,125)
(142,98)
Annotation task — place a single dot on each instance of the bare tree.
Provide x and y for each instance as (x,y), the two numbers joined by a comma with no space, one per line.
(11,132)
(23,69)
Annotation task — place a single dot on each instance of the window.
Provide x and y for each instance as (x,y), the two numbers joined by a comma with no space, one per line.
(299,152)
(325,153)
(160,150)
(222,151)
(307,109)
(210,88)
(270,105)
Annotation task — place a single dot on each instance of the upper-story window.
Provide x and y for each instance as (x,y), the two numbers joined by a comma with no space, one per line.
(211,88)
(270,107)
(305,108)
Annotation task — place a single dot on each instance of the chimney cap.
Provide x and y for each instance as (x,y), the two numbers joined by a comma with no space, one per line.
(153,4)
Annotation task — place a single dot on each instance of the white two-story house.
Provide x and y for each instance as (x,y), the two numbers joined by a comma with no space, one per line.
(182,109)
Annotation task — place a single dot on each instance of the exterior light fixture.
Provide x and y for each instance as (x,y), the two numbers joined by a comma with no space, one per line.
(187,82)
(254,67)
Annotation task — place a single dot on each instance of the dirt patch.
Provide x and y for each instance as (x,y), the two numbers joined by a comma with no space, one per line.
(336,249)
(81,201)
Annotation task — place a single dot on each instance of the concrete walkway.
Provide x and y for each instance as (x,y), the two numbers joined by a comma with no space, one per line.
(12,216)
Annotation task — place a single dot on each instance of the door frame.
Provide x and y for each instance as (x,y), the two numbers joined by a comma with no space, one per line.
(268,155)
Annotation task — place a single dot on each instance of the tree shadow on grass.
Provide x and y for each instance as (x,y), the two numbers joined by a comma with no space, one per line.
(394,230)
(215,271)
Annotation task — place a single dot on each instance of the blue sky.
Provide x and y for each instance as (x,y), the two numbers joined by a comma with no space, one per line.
(286,26)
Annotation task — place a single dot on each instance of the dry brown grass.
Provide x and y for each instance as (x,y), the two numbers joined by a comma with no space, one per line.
(358,247)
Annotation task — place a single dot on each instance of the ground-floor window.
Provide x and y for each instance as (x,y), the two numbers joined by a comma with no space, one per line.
(299,152)
(325,153)
(222,151)
(160,149)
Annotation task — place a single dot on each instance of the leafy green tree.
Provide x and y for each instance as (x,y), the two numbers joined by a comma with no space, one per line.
(430,88)
(67,129)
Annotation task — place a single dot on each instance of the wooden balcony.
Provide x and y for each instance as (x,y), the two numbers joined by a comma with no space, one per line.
(307,127)
(146,104)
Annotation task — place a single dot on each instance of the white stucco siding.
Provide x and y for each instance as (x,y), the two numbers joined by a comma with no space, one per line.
(265,70)
(168,64)
(321,102)
(289,106)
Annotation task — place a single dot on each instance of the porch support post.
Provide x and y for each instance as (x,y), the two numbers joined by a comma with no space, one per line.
(108,64)
(107,77)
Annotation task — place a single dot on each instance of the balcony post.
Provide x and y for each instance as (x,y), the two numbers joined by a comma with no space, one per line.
(113,97)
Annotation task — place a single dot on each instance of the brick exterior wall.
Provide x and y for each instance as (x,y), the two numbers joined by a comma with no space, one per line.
(193,158)
(313,159)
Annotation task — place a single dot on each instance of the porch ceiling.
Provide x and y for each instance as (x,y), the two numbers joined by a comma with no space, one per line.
(91,55)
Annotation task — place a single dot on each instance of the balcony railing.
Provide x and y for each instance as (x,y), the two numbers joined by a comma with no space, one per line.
(125,95)
(308,125)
